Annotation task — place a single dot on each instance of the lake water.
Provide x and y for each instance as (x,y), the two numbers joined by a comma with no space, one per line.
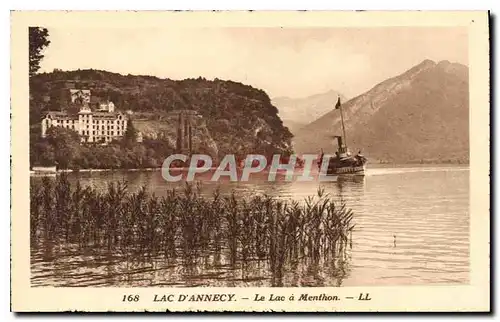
(412,228)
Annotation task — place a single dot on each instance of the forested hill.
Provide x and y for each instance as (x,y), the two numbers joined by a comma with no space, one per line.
(239,118)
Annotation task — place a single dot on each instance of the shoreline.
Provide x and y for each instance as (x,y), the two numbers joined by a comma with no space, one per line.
(107,170)
(35,173)
(373,167)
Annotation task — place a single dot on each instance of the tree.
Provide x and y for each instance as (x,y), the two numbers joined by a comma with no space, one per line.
(66,145)
(42,154)
(130,136)
(38,41)
(60,99)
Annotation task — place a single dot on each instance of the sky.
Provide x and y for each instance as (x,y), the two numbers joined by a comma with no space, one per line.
(289,62)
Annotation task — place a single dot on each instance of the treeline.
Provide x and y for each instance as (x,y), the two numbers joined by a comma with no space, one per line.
(62,147)
(140,93)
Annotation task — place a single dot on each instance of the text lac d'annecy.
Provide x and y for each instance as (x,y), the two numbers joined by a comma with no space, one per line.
(223,297)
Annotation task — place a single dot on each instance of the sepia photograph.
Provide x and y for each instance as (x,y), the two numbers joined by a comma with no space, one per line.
(244,156)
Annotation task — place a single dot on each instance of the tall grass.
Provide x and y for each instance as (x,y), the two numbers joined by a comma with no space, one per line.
(186,225)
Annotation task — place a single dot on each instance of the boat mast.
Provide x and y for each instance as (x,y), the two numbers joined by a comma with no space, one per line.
(342,119)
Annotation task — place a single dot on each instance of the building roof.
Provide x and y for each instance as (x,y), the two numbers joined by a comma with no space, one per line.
(116,113)
(65,115)
(85,91)
(58,115)
(107,115)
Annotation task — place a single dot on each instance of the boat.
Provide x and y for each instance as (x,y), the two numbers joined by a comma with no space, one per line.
(344,163)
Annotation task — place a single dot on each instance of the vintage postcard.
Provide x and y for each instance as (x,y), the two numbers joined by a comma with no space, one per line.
(250,161)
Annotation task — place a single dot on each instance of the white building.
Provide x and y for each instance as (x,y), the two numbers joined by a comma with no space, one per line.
(102,126)
(107,107)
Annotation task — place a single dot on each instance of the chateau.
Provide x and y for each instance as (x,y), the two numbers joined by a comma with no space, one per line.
(102,125)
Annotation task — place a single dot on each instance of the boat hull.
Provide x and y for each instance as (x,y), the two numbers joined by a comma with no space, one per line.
(347,171)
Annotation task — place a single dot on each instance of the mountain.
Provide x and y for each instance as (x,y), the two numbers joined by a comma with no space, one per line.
(298,112)
(421,115)
(235,118)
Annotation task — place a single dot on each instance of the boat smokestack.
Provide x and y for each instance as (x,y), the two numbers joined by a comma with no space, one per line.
(339,141)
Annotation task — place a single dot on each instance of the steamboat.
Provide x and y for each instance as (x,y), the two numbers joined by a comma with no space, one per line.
(344,163)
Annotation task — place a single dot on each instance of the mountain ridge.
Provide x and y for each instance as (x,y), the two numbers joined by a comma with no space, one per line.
(384,121)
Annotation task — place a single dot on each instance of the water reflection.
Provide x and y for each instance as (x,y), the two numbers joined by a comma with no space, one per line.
(74,269)
(258,184)
(411,227)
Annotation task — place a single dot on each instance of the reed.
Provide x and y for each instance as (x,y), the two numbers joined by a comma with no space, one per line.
(186,224)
